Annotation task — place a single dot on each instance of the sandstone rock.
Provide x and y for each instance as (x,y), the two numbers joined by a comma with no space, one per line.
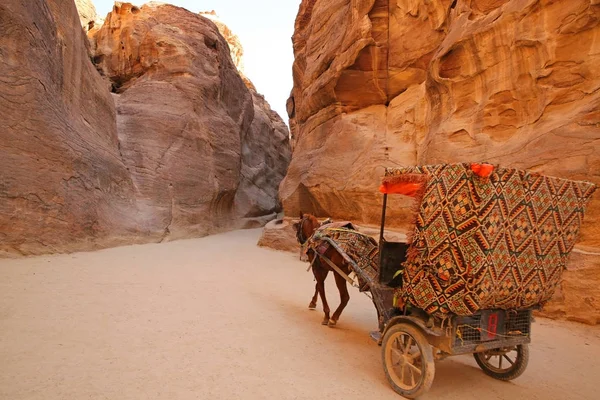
(63,186)
(280,235)
(578,298)
(202,158)
(235,45)
(382,83)
(182,109)
(187,151)
(87,13)
(266,152)
(266,155)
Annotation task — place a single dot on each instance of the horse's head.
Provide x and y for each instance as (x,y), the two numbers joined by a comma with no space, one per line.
(304,228)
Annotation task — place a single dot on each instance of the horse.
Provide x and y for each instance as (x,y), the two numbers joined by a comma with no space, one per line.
(305,228)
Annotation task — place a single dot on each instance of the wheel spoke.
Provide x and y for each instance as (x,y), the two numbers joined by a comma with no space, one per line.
(414,368)
(500,362)
(408,345)
(416,355)
(398,356)
(509,360)
(412,377)
(399,344)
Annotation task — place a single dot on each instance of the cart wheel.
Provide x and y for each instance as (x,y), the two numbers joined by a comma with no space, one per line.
(407,360)
(505,363)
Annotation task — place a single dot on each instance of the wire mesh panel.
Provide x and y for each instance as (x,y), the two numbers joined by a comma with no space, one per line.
(494,328)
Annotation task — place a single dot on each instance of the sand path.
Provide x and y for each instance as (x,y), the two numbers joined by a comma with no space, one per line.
(219,318)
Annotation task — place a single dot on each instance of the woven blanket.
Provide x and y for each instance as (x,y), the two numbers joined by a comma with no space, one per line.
(488,242)
(359,250)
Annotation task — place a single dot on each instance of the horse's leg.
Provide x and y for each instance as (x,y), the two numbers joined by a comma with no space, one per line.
(320,275)
(344,298)
(314,266)
(313,302)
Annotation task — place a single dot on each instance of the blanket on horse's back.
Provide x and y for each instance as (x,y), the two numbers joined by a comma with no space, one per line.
(359,250)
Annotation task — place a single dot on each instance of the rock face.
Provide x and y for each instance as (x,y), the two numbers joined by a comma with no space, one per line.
(181,148)
(62,180)
(402,82)
(578,298)
(266,152)
(200,157)
(384,83)
(235,45)
(182,109)
(87,13)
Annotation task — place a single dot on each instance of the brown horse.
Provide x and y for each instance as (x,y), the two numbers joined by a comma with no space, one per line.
(305,228)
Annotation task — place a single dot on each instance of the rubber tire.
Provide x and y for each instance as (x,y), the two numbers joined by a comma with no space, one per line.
(517,369)
(426,353)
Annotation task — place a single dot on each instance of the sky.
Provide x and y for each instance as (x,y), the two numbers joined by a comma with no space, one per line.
(265,28)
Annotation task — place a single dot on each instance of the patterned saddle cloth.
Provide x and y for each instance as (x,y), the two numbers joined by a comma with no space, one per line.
(359,250)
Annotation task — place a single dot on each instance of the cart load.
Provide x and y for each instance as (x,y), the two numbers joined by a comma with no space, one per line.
(485,237)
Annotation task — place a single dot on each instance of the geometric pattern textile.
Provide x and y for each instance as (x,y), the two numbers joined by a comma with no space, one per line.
(497,242)
(359,250)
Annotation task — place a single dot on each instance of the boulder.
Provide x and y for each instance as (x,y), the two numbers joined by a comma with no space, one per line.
(279,234)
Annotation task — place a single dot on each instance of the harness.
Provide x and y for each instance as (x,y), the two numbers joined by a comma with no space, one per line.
(300,234)
(304,241)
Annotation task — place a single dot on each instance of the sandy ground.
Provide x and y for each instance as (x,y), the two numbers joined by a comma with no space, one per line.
(219,318)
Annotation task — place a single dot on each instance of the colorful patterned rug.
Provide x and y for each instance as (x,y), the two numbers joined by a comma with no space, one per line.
(500,241)
(359,250)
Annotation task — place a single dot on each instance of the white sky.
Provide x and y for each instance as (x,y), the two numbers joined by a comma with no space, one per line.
(265,28)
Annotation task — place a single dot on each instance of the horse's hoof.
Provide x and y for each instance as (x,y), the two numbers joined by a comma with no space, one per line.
(331,323)
(325,321)
(312,306)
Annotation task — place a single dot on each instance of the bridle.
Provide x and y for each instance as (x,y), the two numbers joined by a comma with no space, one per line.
(300,232)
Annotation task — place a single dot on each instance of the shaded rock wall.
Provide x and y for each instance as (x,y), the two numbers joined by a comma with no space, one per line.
(181,148)
(182,110)
(266,151)
(266,154)
(62,180)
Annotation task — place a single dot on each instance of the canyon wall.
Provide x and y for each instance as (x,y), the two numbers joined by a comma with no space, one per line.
(402,82)
(150,133)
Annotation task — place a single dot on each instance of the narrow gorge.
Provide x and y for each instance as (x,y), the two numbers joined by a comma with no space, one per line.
(145,132)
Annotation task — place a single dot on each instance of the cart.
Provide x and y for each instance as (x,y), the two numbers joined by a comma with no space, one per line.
(488,247)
